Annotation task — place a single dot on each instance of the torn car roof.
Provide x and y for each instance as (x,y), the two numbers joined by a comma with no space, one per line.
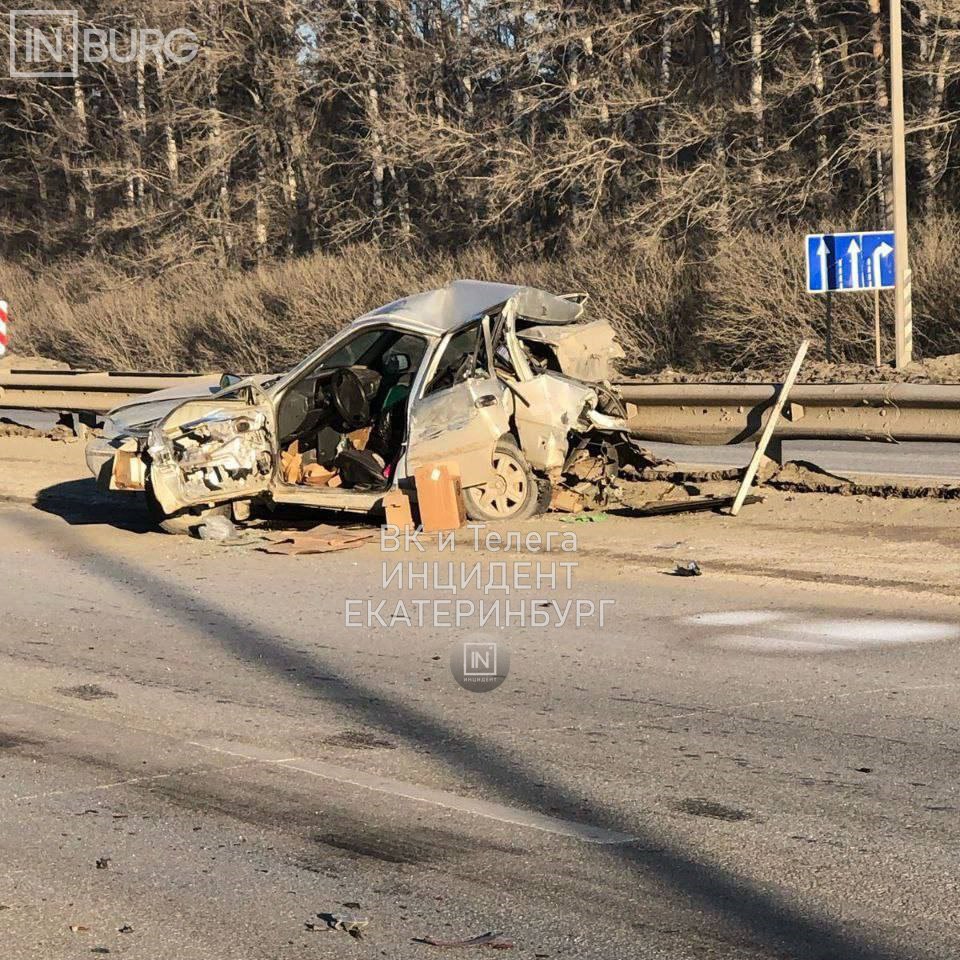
(463,300)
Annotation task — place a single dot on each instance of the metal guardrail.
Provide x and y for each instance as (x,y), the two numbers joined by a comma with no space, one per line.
(80,391)
(691,413)
(722,413)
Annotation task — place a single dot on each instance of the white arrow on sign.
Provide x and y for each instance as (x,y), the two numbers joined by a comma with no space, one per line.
(822,254)
(853,252)
(883,250)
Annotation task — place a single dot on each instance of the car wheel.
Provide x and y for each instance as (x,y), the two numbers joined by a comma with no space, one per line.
(513,494)
(183,522)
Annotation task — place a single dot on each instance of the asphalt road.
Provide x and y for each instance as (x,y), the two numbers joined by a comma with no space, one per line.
(938,461)
(730,767)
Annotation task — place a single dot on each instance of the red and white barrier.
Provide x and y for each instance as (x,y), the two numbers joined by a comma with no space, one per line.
(4,338)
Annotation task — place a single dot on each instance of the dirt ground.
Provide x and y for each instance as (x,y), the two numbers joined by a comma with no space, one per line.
(904,545)
(13,361)
(944,369)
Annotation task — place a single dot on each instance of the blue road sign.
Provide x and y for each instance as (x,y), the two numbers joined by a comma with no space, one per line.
(842,262)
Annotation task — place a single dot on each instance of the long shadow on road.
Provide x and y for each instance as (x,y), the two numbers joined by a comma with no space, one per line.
(766,917)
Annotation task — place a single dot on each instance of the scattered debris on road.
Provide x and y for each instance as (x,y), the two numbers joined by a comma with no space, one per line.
(217,528)
(688,569)
(660,508)
(78,928)
(87,691)
(594,516)
(325,538)
(590,476)
(492,941)
(103,863)
(58,432)
(346,922)
(702,807)
(358,740)
(126,928)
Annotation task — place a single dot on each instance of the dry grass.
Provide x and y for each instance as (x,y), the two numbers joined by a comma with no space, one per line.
(745,306)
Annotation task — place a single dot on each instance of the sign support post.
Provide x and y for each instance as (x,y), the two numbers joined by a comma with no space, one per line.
(876,325)
(904,292)
(829,339)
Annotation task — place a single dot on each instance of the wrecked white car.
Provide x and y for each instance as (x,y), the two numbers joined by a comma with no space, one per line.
(505,382)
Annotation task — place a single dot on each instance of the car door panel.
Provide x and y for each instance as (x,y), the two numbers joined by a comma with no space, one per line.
(461,424)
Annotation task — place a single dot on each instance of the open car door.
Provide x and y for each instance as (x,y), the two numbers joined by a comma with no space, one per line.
(462,412)
(210,451)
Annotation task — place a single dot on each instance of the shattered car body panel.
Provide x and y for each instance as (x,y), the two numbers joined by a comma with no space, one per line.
(548,408)
(207,452)
(533,373)
(586,351)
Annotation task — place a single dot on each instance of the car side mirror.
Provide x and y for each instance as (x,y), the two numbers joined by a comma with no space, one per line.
(228,380)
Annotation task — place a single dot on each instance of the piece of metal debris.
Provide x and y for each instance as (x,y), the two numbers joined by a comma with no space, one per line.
(78,928)
(493,941)
(217,528)
(347,922)
(689,569)
(659,508)
(103,863)
(126,928)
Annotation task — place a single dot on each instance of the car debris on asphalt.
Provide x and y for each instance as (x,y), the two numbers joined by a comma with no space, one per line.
(491,941)
(594,516)
(348,923)
(689,568)
(324,538)
(660,508)
(217,528)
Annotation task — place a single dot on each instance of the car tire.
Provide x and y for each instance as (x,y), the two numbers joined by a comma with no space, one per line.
(514,495)
(184,522)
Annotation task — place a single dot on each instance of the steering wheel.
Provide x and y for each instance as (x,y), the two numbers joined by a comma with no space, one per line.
(354,389)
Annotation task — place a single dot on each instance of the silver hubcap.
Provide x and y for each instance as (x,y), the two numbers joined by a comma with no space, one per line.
(507,492)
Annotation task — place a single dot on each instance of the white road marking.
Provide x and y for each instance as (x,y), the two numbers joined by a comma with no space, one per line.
(792,631)
(192,772)
(736,618)
(873,631)
(414,791)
